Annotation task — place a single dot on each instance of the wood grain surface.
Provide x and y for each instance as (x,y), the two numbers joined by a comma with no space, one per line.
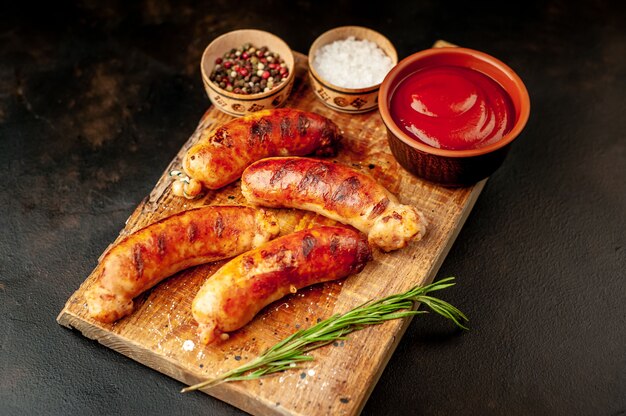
(160,333)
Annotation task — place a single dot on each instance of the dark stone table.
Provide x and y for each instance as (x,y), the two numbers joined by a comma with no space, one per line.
(95,100)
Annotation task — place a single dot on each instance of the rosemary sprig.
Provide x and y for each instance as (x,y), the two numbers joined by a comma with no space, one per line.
(287,353)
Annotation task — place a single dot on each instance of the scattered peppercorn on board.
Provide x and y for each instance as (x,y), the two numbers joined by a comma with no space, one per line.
(161,332)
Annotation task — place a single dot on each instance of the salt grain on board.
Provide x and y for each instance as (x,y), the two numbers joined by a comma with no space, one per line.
(352,63)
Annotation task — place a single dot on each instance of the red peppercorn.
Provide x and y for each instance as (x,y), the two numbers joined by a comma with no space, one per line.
(218,61)
(266,74)
(245,55)
(283,71)
(228,64)
(243,72)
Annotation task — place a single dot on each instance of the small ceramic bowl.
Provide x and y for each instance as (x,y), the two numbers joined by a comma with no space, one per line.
(348,100)
(443,166)
(240,104)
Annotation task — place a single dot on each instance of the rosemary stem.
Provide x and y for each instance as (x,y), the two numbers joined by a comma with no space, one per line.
(292,350)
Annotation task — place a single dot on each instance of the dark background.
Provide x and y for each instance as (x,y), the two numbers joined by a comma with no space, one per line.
(95,100)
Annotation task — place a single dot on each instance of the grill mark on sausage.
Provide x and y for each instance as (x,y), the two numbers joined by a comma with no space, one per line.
(161,243)
(138,260)
(328,133)
(219,226)
(192,232)
(312,177)
(303,124)
(334,245)
(248,263)
(286,259)
(281,172)
(259,131)
(379,208)
(222,137)
(346,189)
(280,257)
(396,216)
(362,256)
(308,244)
(285,128)
(329,140)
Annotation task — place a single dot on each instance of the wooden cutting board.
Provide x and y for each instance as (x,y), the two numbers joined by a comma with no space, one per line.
(161,331)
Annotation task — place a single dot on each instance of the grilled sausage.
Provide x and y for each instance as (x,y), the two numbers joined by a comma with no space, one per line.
(337,192)
(230,298)
(149,255)
(220,158)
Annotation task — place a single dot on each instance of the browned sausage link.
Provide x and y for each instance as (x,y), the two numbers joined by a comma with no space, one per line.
(220,158)
(230,298)
(147,256)
(335,191)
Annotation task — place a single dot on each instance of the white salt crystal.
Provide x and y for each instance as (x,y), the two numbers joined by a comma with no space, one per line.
(352,63)
(188,345)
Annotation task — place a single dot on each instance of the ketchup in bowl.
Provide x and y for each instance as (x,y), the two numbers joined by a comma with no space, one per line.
(451,107)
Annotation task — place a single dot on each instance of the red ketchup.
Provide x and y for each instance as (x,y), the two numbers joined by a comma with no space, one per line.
(451,107)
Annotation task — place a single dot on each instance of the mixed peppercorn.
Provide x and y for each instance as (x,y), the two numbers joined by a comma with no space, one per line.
(248,70)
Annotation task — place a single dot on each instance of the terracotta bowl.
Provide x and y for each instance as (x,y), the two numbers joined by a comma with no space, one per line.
(239,104)
(348,100)
(452,167)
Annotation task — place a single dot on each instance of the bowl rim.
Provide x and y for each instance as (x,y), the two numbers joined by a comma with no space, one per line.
(385,90)
(343,90)
(247,97)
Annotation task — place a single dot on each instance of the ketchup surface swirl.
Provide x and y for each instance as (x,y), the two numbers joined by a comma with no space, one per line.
(451,107)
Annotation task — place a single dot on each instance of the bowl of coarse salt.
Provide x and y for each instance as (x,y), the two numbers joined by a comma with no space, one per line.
(347,65)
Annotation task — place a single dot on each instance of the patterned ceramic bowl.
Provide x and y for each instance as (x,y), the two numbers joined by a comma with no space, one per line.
(348,100)
(240,104)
